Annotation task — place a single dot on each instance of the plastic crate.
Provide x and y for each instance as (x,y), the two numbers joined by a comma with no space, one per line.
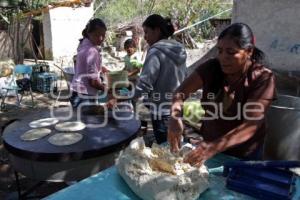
(40,68)
(44,82)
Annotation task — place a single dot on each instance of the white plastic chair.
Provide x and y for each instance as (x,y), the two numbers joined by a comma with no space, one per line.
(23,70)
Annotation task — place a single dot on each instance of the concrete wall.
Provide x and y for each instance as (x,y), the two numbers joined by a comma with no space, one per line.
(276,26)
(62,30)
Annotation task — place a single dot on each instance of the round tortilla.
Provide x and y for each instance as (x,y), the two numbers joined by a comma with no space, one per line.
(70,126)
(35,134)
(43,122)
(64,139)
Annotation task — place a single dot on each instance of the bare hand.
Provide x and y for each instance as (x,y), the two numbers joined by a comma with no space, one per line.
(104,70)
(203,152)
(112,101)
(104,87)
(175,131)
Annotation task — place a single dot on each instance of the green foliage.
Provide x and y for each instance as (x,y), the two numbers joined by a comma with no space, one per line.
(19,6)
(27,5)
(189,12)
(110,37)
(184,12)
(118,11)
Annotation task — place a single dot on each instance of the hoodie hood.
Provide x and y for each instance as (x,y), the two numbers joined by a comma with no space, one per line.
(173,49)
(163,71)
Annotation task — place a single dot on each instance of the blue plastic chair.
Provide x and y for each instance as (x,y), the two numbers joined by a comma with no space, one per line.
(12,86)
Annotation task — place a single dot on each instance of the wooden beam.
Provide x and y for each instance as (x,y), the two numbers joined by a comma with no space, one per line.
(70,3)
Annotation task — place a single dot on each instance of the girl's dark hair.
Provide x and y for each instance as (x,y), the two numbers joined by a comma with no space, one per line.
(91,26)
(129,43)
(243,36)
(164,24)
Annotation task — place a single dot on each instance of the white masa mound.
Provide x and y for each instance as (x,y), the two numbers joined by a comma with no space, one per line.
(155,173)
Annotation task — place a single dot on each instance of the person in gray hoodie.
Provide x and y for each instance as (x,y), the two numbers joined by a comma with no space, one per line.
(164,70)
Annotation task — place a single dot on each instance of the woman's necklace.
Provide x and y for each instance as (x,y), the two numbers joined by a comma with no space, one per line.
(229,92)
(230,86)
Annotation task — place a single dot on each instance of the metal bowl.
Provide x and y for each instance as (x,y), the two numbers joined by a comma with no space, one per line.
(283,129)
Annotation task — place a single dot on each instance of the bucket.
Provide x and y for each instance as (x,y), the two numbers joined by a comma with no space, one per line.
(69,74)
(283,129)
(117,79)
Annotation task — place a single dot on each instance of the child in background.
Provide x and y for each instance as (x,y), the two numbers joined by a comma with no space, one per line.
(133,63)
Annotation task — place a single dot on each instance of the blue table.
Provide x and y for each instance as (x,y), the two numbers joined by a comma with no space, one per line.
(109,185)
